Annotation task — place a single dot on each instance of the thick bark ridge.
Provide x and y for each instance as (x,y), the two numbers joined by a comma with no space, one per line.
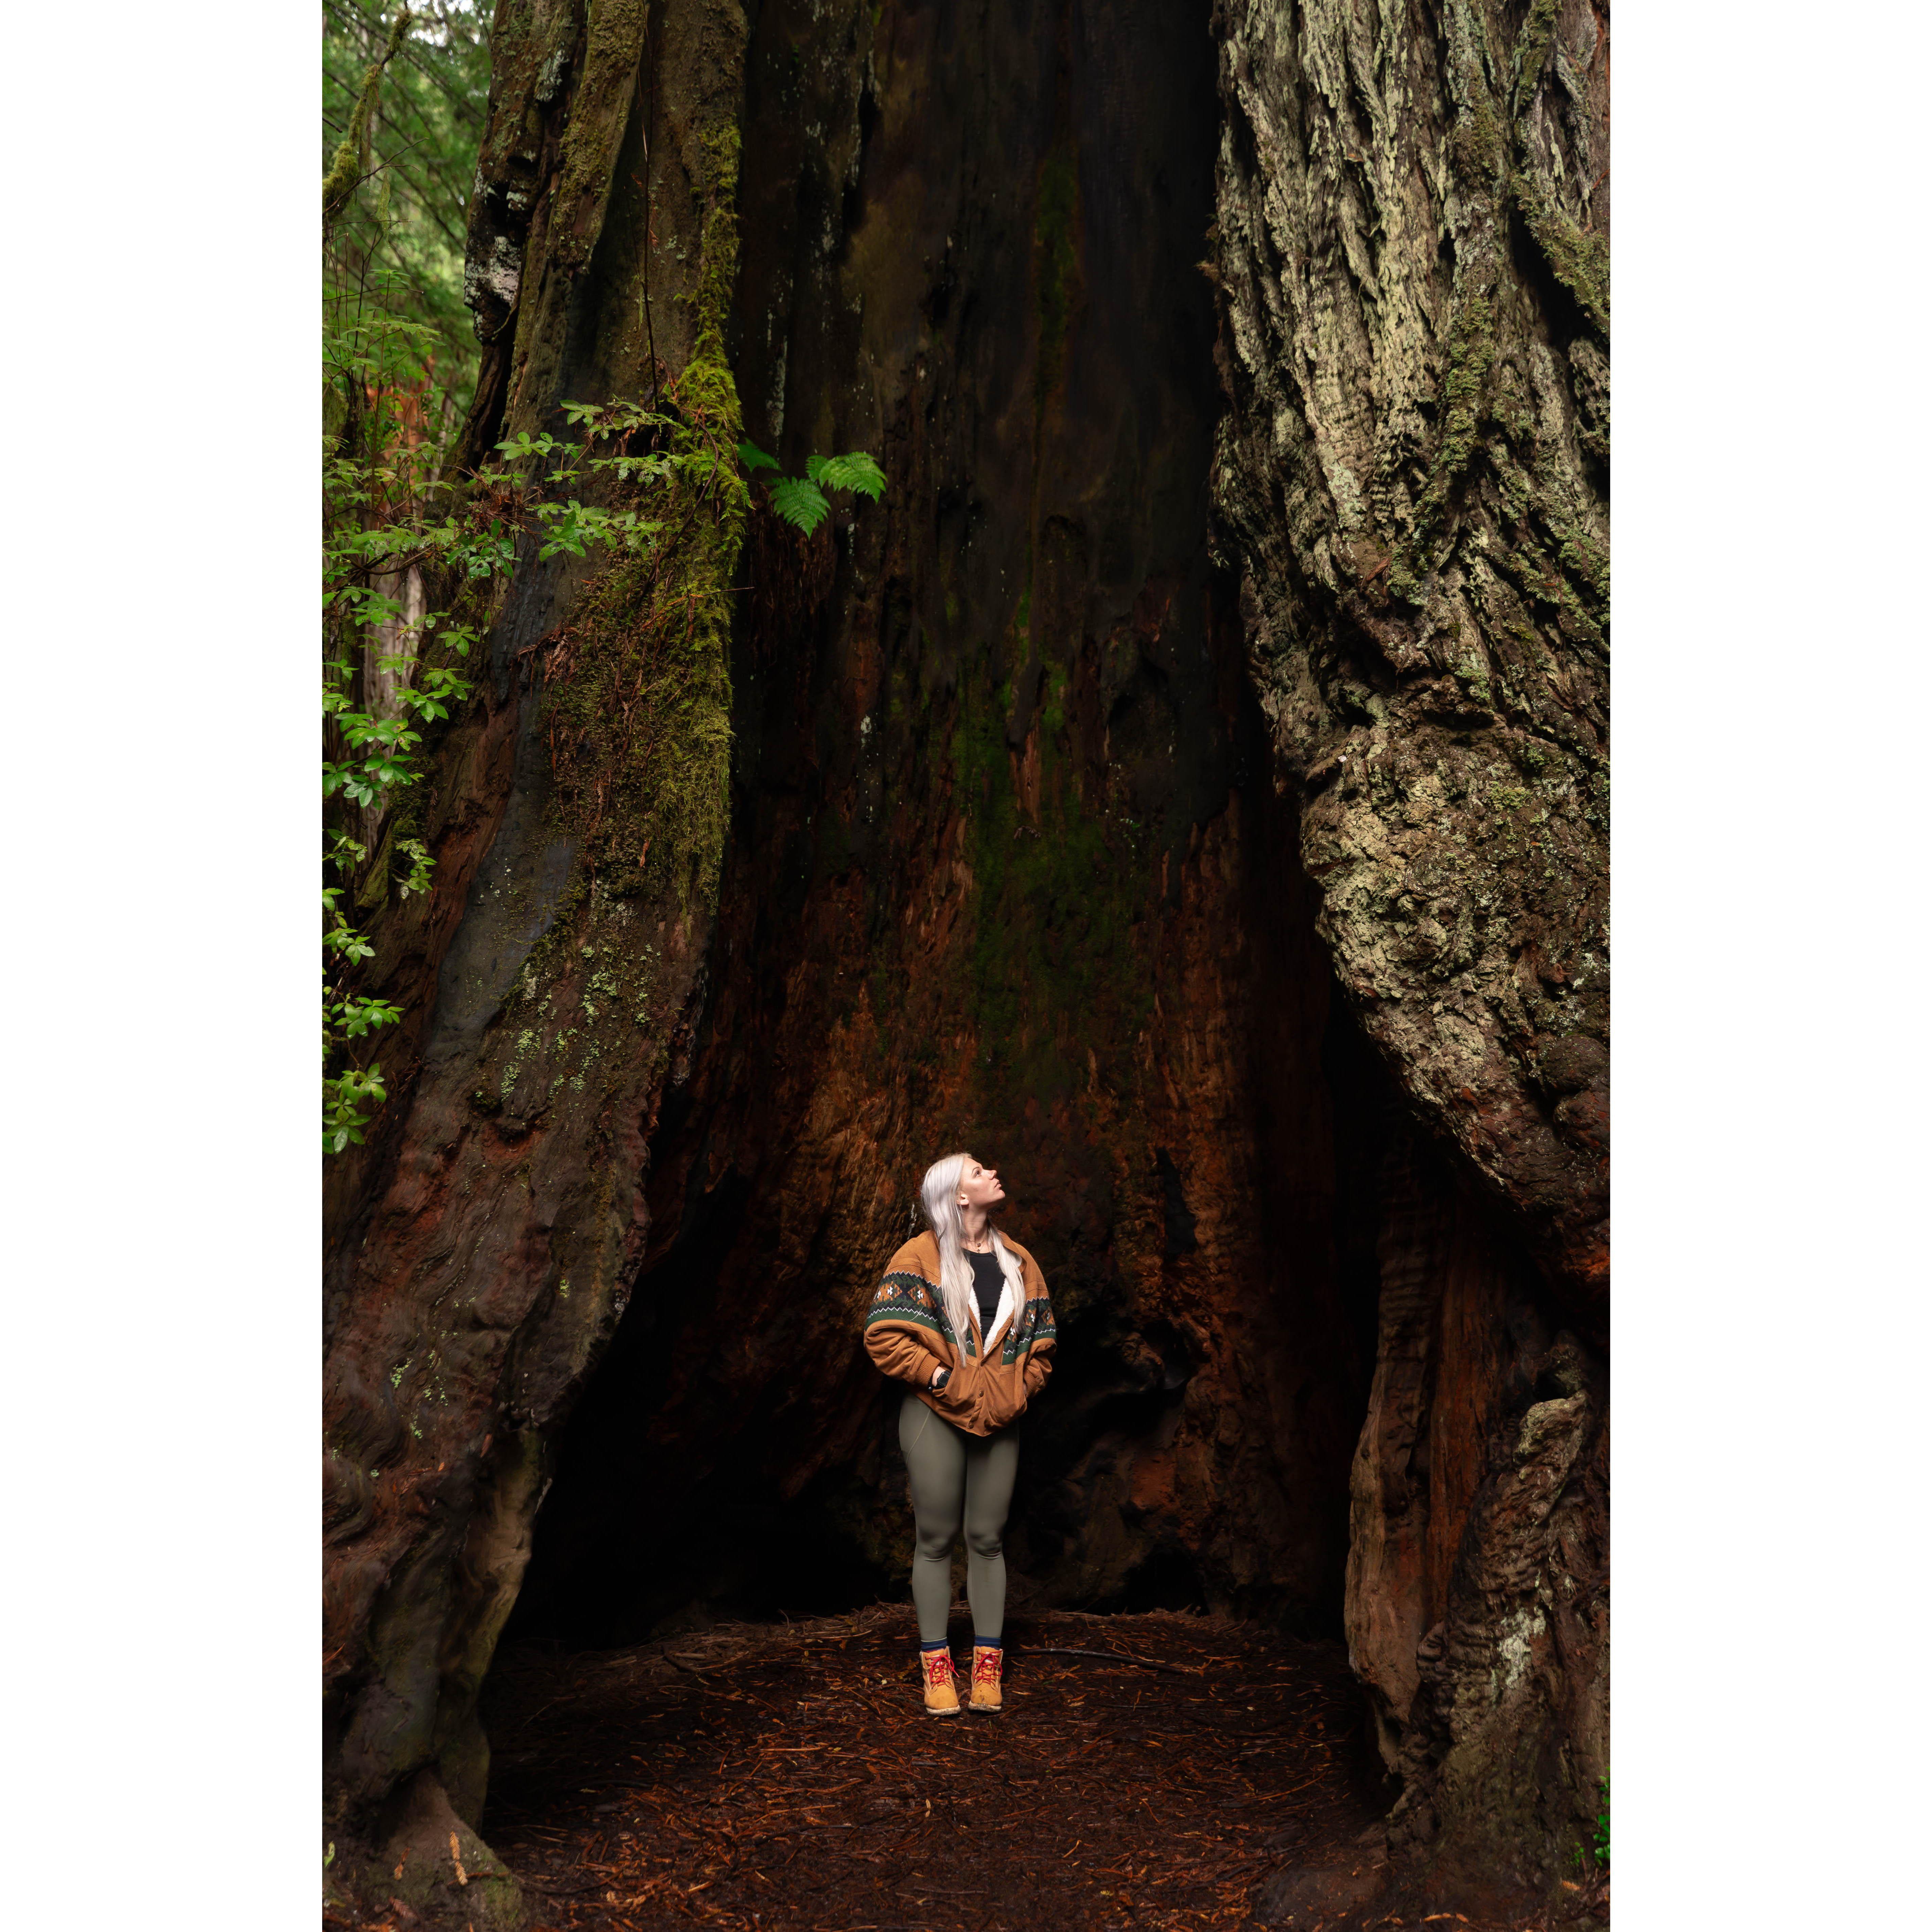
(1411,252)
(1411,476)
(482,1246)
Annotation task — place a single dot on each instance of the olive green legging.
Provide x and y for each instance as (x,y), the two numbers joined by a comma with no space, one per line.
(957,1476)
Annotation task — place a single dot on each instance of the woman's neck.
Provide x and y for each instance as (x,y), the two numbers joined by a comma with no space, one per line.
(974,1228)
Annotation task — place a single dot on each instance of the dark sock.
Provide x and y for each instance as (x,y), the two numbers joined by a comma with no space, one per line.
(988,1643)
(944,1643)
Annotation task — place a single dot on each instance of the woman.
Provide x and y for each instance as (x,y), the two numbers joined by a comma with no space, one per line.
(962,1318)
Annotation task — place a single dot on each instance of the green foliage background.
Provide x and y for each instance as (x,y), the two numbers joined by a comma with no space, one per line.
(404,98)
(398,245)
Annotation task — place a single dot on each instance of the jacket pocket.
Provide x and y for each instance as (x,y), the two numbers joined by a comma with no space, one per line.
(959,1399)
(1005,1402)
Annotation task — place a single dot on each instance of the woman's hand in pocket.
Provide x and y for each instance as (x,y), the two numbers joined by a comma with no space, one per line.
(954,1396)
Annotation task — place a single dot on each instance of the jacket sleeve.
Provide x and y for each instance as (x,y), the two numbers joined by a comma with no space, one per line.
(1042,1341)
(897,1352)
(1039,1366)
(903,1335)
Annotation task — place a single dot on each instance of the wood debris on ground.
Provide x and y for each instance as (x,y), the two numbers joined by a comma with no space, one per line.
(1156,1770)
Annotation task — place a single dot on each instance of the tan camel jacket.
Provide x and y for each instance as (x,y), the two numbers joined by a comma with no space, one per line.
(908,1336)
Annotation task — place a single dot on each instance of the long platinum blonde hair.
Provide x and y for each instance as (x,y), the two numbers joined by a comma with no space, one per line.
(939,1196)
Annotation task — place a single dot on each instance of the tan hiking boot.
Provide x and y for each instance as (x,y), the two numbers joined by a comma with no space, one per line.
(942,1700)
(986,1660)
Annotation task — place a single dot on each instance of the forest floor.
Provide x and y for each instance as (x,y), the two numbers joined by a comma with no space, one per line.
(1162,1770)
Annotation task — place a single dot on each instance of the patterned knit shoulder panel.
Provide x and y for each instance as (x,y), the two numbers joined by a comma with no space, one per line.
(906,1297)
(1034,1328)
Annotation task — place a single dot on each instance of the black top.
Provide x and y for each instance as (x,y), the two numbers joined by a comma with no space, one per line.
(989,1282)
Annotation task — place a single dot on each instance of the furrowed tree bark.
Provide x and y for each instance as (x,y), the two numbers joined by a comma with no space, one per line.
(1412,477)
(482,1246)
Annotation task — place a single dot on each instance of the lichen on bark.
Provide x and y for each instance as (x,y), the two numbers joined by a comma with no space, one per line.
(1411,252)
(1409,480)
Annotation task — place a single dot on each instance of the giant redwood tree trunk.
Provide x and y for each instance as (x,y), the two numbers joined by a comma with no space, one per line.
(1185,787)
(483,1246)
(1411,254)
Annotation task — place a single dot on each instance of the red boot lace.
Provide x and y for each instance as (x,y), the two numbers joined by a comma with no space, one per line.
(938,1667)
(985,1667)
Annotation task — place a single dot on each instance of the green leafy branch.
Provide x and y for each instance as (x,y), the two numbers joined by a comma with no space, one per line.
(370,757)
(386,517)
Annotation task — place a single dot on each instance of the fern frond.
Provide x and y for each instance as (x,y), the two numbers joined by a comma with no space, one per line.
(800,503)
(856,472)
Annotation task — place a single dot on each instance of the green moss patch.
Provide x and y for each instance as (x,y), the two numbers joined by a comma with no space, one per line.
(638,713)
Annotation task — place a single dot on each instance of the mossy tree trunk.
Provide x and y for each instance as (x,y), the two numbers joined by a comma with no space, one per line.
(481,1246)
(1412,479)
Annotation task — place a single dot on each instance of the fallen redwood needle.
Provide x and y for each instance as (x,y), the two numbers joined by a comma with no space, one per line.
(1250,1735)
(1112,1656)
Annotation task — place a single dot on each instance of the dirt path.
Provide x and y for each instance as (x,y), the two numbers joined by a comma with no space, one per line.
(756,1780)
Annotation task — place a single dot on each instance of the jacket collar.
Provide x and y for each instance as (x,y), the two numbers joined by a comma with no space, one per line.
(1002,1315)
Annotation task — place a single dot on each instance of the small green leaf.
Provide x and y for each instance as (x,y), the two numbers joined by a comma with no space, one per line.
(753,458)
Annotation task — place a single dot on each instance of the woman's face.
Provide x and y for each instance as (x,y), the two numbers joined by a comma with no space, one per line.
(980,1186)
